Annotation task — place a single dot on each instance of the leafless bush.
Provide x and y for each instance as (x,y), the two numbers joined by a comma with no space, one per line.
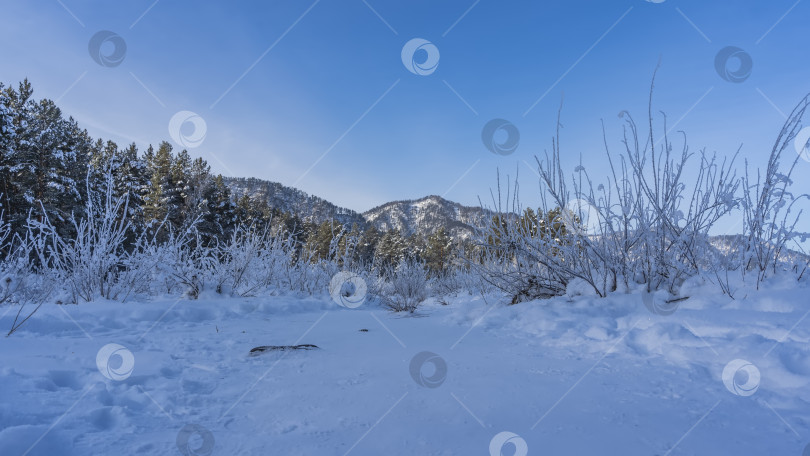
(20,283)
(185,264)
(94,263)
(770,216)
(646,224)
(406,287)
(308,275)
(250,261)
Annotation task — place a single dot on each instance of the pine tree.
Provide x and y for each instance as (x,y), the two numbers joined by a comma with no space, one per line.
(76,169)
(552,226)
(254,211)
(182,202)
(499,230)
(48,164)
(319,243)
(160,194)
(368,245)
(528,223)
(348,244)
(193,185)
(391,250)
(7,137)
(131,179)
(218,219)
(244,215)
(438,252)
(286,224)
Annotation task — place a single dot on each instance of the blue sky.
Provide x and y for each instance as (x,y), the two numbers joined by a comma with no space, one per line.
(283,85)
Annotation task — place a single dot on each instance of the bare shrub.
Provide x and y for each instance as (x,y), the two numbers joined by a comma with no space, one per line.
(94,263)
(252,260)
(21,284)
(184,265)
(651,226)
(770,217)
(405,287)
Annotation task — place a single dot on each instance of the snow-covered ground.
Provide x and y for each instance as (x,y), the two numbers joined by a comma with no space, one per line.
(567,376)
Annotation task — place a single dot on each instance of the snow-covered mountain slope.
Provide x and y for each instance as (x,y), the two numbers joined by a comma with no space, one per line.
(292,200)
(427,215)
(423,216)
(580,377)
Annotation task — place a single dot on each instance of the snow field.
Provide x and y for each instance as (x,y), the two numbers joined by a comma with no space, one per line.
(577,375)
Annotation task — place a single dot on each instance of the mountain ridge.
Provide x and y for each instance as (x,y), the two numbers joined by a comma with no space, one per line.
(426,215)
(289,199)
(423,216)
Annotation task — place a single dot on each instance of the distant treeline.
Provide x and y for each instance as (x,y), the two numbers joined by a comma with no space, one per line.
(50,168)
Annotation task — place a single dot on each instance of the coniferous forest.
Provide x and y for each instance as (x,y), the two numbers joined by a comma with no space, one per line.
(57,182)
(51,170)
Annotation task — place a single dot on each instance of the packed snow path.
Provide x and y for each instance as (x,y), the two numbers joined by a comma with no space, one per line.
(592,376)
